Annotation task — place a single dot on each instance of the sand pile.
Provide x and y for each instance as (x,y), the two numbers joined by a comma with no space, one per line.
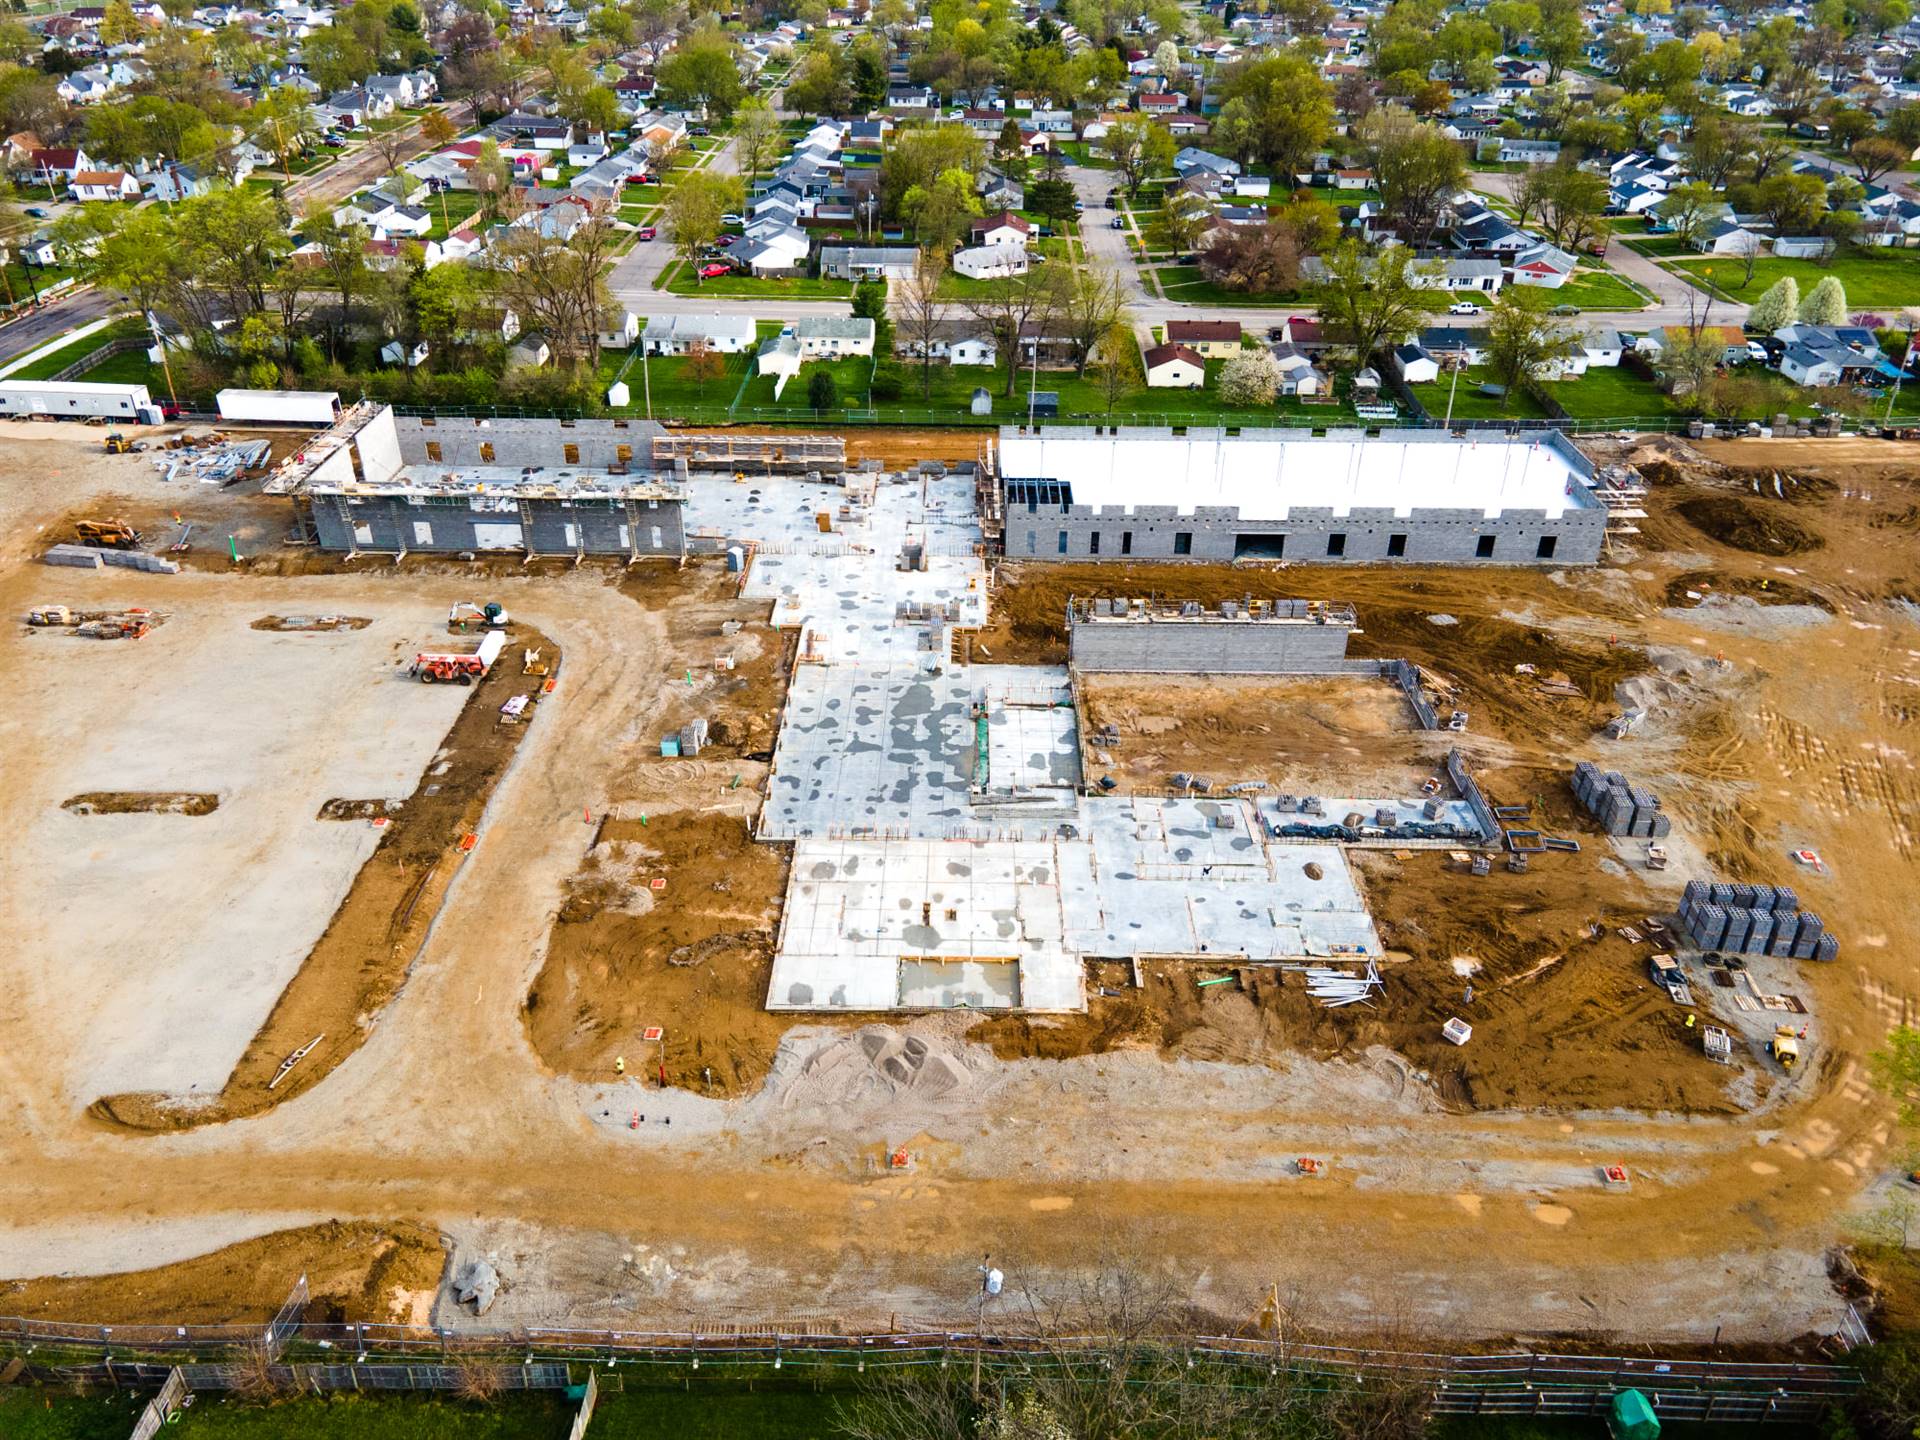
(879,1063)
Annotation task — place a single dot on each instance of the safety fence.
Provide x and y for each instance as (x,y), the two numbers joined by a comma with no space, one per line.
(323,1356)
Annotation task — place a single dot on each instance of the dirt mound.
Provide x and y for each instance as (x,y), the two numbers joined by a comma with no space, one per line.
(878,1062)
(694,955)
(355,1272)
(311,622)
(1744,525)
(1698,586)
(142,802)
(360,809)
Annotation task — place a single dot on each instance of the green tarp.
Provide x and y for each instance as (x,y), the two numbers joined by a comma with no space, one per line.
(1632,1418)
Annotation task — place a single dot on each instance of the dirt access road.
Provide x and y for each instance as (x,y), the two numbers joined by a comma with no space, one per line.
(1465,1223)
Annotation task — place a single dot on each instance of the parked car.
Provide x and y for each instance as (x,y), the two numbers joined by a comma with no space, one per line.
(334,142)
(647,232)
(1078,207)
(35,212)
(1463,307)
(642,180)
(1564,310)
(1756,352)
(732,219)
(726,240)
(715,270)
(698,130)
(1119,222)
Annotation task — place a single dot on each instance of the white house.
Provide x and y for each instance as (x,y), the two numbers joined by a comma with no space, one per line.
(1175,367)
(1006,228)
(677,334)
(833,337)
(104,185)
(991,262)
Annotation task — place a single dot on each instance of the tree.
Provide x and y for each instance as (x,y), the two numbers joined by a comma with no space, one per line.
(822,83)
(1094,300)
(1011,306)
(756,129)
(921,313)
(1688,210)
(557,285)
(436,129)
(1792,203)
(1521,340)
(1116,365)
(1166,58)
(694,208)
(1138,147)
(490,178)
(1366,301)
(822,393)
(1572,202)
(919,156)
(1416,167)
(1277,110)
(939,211)
(1253,259)
(704,364)
(1185,215)
(702,72)
(1825,304)
(1879,155)
(1250,380)
(343,261)
(1777,308)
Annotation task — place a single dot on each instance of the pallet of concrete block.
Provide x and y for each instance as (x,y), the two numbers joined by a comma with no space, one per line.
(92,557)
(1620,807)
(1754,920)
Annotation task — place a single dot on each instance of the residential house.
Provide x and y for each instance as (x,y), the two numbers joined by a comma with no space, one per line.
(529,133)
(1820,355)
(1006,228)
(57,167)
(833,337)
(103,185)
(1210,339)
(1730,236)
(176,182)
(774,252)
(583,154)
(1175,367)
(991,262)
(1299,376)
(677,334)
(867,262)
(1509,150)
(1189,159)
(1252,187)
(619,328)
(1542,265)
(1457,343)
(958,342)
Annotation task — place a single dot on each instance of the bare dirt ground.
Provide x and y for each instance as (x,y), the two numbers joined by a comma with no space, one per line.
(460,1113)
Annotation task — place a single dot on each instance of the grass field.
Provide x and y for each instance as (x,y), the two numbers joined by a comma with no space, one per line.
(725,1410)
(1187,283)
(1597,290)
(675,391)
(52,364)
(1614,393)
(676,279)
(1470,404)
(1874,280)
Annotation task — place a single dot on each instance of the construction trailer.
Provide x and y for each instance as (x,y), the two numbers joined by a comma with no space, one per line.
(78,400)
(279,407)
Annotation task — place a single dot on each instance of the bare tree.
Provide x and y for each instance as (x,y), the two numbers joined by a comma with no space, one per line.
(558,283)
(920,313)
(1095,300)
(1014,306)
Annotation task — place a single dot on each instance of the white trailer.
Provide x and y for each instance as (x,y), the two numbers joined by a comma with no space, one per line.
(78,400)
(282,407)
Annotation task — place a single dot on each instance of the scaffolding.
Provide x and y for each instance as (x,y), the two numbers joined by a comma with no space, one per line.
(794,454)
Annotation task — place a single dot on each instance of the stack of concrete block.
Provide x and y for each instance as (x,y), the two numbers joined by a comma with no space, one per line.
(1754,920)
(89,557)
(1621,809)
(693,737)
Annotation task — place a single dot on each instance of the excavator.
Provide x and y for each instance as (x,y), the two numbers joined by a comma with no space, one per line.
(464,614)
(108,534)
(1785,1046)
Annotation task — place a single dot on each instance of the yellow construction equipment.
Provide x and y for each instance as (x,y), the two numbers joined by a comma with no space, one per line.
(118,444)
(111,534)
(51,615)
(1785,1046)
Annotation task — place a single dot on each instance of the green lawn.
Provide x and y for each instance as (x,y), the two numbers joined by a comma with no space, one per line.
(1874,280)
(1188,283)
(129,367)
(52,364)
(1079,152)
(675,393)
(450,210)
(850,377)
(676,279)
(1609,394)
(1598,290)
(1470,404)
(1659,247)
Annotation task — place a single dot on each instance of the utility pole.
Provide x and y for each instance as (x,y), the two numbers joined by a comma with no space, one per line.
(1456,367)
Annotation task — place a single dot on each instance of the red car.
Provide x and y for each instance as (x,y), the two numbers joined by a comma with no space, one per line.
(724,241)
(709,272)
(648,232)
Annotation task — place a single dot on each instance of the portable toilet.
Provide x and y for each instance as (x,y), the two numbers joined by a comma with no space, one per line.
(1631,1417)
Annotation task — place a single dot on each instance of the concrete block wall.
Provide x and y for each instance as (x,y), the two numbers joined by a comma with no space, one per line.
(1212,646)
(1307,537)
(599,527)
(458,441)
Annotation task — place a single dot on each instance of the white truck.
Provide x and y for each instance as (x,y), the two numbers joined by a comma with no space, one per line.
(280,407)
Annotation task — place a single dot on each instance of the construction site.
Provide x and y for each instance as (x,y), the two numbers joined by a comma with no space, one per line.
(796,885)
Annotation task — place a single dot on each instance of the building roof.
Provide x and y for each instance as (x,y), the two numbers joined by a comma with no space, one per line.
(1166,354)
(1186,331)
